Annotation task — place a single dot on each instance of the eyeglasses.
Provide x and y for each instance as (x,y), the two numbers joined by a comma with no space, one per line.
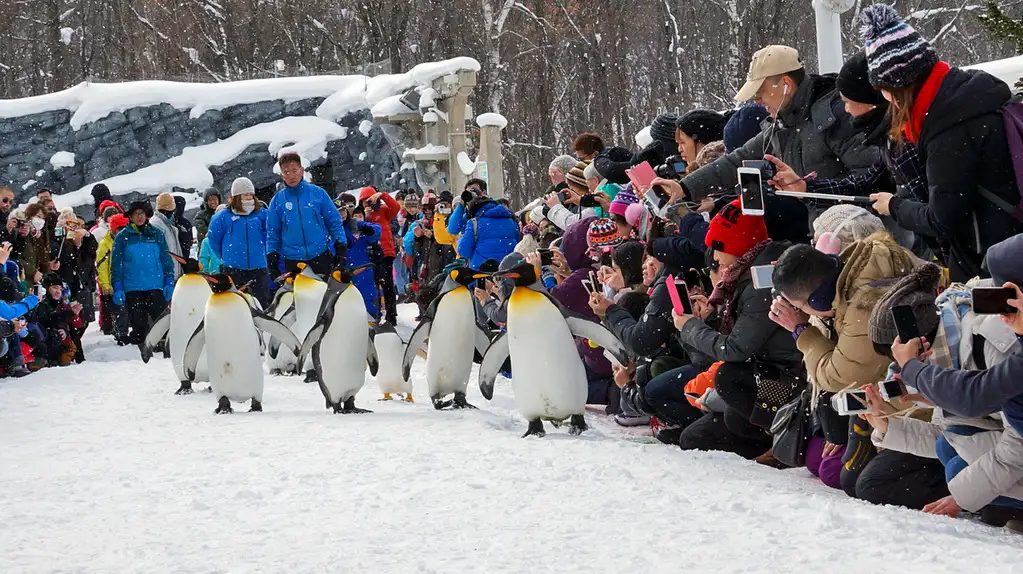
(292,171)
(713,266)
(5,200)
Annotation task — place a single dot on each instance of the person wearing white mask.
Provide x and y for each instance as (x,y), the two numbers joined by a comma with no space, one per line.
(237,235)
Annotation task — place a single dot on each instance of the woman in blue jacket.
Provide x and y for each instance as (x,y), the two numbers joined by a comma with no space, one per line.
(237,235)
(491,232)
(361,234)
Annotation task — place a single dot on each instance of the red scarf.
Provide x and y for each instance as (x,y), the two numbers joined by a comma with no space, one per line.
(923,101)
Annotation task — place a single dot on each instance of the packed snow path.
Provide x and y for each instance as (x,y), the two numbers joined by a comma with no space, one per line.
(103,469)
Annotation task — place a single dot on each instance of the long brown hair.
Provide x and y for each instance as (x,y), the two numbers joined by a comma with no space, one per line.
(902,112)
(234,203)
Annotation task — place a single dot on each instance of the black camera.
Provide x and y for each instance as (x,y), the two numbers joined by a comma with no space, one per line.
(673,168)
(467,197)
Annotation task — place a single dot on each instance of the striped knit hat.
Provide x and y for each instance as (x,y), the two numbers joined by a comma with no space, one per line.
(603,235)
(577,175)
(897,56)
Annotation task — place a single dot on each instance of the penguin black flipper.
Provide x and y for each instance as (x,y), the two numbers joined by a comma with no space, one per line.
(277,298)
(156,334)
(598,334)
(311,340)
(193,350)
(276,329)
(371,356)
(493,360)
(482,343)
(415,343)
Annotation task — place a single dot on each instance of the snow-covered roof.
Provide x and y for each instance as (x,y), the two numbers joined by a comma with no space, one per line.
(1009,70)
(390,106)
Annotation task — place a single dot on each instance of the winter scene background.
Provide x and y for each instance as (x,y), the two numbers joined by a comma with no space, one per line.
(103,469)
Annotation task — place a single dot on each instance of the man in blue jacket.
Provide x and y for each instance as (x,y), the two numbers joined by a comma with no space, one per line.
(303,224)
(490,233)
(141,271)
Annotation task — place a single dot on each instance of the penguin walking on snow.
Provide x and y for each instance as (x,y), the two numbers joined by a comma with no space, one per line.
(279,359)
(309,291)
(548,376)
(390,353)
(339,343)
(455,338)
(229,336)
(182,316)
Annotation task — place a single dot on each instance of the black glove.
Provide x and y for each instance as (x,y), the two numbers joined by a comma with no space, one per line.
(340,254)
(273,261)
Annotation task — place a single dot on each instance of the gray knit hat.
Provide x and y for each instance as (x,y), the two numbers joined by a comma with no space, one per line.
(918,290)
(897,55)
(849,223)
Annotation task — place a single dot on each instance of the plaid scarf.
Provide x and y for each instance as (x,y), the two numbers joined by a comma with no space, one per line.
(730,277)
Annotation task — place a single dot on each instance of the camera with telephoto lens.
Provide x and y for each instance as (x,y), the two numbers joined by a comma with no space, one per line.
(766,169)
(673,168)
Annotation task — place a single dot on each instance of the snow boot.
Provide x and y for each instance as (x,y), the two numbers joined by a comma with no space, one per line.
(1000,515)
(669,435)
(627,420)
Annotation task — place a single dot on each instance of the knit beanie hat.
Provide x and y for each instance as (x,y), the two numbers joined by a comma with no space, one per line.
(603,235)
(110,203)
(527,245)
(897,56)
(733,232)
(429,201)
(743,126)
(242,185)
(118,222)
(854,83)
(564,163)
(100,193)
(663,130)
(531,229)
(445,197)
(917,290)
(536,215)
(612,163)
(622,201)
(709,154)
(704,126)
(577,175)
(51,279)
(848,223)
(165,202)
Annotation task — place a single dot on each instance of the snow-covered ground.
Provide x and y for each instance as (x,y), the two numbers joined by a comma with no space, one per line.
(103,469)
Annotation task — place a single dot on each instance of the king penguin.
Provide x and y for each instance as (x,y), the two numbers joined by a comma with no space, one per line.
(455,336)
(548,376)
(339,343)
(182,316)
(228,334)
(309,290)
(390,353)
(280,360)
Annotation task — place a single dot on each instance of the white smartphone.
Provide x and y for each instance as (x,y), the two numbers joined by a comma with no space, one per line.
(890,389)
(751,191)
(762,276)
(851,402)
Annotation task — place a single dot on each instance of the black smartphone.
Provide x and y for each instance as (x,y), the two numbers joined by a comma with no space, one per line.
(546,256)
(589,200)
(905,322)
(993,300)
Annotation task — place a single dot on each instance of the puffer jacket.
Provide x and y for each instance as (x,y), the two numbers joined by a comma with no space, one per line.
(814,133)
(652,333)
(852,362)
(963,147)
(302,222)
(384,217)
(104,254)
(572,294)
(753,336)
(360,237)
(140,261)
(239,240)
(205,215)
(490,233)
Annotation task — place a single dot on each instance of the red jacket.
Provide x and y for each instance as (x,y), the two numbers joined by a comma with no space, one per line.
(389,209)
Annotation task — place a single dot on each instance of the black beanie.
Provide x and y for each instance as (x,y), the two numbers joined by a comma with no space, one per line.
(704,126)
(854,82)
(743,126)
(100,193)
(51,279)
(663,130)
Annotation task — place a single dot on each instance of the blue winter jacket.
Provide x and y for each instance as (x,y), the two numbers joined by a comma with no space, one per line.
(492,235)
(140,261)
(358,255)
(457,220)
(11,312)
(302,222)
(240,240)
(208,259)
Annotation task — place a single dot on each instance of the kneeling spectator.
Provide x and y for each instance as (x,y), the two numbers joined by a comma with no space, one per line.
(60,321)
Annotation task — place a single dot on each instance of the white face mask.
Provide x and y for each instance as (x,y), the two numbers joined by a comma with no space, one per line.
(444,210)
(248,205)
(39,224)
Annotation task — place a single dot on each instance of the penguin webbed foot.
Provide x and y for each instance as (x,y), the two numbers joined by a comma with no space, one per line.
(209,389)
(440,404)
(350,408)
(576,425)
(184,389)
(257,407)
(276,372)
(408,398)
(310,376)
(223,406)
(535,429)
(459,402)
(387,397)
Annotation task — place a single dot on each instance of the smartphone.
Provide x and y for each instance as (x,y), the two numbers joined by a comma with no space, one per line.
(852,402)
(60,232)
(546,256)
(751,190)
(891,389)
(589,200)
(993,300)
(588,284)
(657,199)
(679,294)
(641,175)
(762,276)
(905,322)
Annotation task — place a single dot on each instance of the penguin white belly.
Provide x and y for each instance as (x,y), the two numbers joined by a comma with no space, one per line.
(390,351)
(232,347)
(452,344)
(344,346)
(285,359)
(188,307)
(307,306)
(548,376)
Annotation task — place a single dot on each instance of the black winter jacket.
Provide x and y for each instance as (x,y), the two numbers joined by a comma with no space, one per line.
(963,147)
(649,336)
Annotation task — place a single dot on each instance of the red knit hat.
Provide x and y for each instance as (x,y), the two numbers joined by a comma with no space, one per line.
(733,233)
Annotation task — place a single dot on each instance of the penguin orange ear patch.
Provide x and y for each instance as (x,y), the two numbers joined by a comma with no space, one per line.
(301,266)
(454,275)
(336,275)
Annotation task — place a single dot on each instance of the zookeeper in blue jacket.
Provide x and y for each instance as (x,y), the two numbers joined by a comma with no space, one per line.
(303,224)
(237,235)
(141,271)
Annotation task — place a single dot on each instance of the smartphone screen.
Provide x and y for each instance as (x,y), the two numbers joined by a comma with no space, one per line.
(678,291)
(849,402)
(546,256)
(905,322)
(752,192)
(891,388)
(762,276)
(993,300)
(589,200)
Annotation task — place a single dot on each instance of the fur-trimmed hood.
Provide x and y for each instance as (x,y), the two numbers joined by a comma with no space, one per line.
(871,267)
